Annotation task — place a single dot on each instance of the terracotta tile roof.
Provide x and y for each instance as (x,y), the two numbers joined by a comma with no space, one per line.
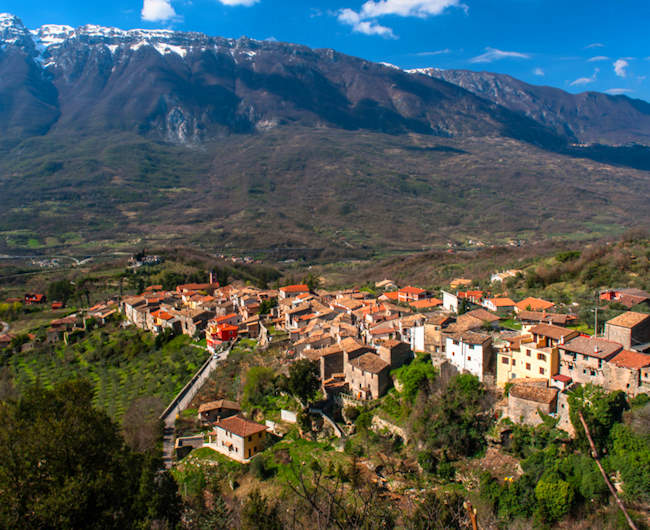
(631,359)
(438,319)
(226,317)
(469,337)
(370,362)
(593,347)
(534,393)
(349,344)
(535,304)
(553,332)
(628,319)
(483,315)
(562,378)
(501,302)
(391,343)
(411,290)
(426,304)
(538,316)
(240,426)
(300,288)
(219,404)
(392,295)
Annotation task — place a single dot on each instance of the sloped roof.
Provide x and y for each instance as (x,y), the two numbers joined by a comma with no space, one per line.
(534,393)
(594,347)
(535,304)
(219,404)
(629,319)
(240,426)
(631,359)
(553,332)
(370,362)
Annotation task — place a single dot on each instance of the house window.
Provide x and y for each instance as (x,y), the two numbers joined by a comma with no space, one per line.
(527,366)
(527,353)
(541,371)
(455,342)
(593,373)
(541,357)
(504,360)
(513,362)
(585,357)
(249,438)
(469,358)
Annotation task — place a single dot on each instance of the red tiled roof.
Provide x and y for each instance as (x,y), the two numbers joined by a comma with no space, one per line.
(225,317)
(502,302)
(394,295)
(300,288)
(424,304)
(631,359)
(562,378)
(411,290)
(240,426)
(553,332)
(535,304)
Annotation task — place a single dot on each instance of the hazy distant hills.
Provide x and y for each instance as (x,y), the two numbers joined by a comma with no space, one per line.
(121,135)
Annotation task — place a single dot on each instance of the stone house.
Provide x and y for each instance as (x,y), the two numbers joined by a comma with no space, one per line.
(367,376)
(394,352)
(629,371)
(583,359)
(629,329)
(218,410)
(527,399)
(237,438)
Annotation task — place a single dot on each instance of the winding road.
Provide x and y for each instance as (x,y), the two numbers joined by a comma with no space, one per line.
(5,328)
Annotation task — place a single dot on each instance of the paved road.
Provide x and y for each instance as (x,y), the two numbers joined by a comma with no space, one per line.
(181,401)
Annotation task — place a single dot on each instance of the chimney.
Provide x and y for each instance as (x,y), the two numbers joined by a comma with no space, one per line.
(562,339)
(211,278)
(596,348)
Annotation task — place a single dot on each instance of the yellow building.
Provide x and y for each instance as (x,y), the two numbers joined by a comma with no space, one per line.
(533,356)
(237,438)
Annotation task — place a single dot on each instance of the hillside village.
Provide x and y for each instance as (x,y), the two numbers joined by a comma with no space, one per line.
(525,349)
(293,370)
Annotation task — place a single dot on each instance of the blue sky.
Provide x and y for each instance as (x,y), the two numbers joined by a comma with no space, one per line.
(575,45)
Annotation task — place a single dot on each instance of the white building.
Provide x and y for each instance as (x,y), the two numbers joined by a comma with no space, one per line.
(470,352)
(450,301)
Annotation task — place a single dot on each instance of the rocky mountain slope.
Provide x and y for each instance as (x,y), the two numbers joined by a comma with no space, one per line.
(586,118)
(109,135)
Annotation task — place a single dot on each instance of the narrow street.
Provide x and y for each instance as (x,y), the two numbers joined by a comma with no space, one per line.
(182,400)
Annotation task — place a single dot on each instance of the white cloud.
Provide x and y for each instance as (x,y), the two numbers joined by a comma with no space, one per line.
(157,10)
(407,8)
(595,45)
(585,80)
(246,3)
(538,71)
(365,20)
(492,54)
(618,91)
(430,54)
(597,58)
(367,27)
(619,67)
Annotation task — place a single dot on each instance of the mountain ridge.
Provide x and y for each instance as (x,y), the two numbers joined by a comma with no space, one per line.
(110,138)
(201,87)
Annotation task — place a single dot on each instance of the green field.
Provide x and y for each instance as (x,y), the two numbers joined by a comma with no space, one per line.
(123,365)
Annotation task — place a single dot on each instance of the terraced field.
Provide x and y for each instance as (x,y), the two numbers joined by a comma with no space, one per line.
(123,365)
